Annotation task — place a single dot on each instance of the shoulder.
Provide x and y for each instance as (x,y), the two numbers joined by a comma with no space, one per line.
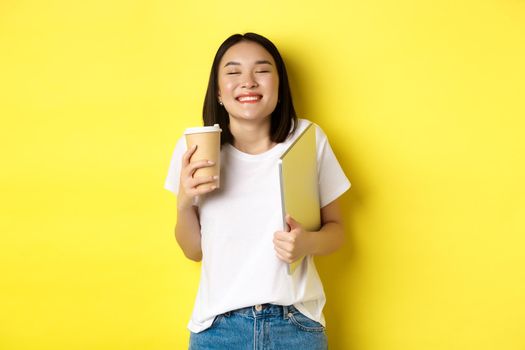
(179,150)
(319,133)
(302,124)
(180,146)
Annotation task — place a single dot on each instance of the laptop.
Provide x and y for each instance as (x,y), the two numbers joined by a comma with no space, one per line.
(300,184)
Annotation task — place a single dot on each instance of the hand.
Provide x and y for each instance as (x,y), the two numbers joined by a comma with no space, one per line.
(292,245)
(188,182)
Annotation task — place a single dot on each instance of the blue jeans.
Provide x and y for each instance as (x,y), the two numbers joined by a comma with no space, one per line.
(261,327)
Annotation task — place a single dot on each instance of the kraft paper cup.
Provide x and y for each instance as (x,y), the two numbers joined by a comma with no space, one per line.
(208,141)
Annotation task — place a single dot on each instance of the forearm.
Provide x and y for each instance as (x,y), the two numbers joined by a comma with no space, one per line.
(187,233)
(327,240)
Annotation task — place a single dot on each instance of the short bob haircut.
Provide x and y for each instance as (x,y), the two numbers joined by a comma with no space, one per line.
(283,120)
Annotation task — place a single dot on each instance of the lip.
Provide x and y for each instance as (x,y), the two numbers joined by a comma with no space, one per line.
(249,98)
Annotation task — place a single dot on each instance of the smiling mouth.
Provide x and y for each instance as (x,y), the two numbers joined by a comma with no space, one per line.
(249,99)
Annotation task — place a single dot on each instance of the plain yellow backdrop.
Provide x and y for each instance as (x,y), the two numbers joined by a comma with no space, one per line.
(423,102)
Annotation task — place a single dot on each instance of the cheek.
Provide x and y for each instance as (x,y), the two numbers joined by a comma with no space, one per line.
(225,87)
(275,87)
(275,84)
(271,83)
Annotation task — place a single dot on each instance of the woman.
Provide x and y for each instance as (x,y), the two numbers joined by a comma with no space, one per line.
(246,298)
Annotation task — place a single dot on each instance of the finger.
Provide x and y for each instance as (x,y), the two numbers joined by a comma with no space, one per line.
(284,237)
(205,189)
(291,222)
(191,183)
(283,258)
(194,166)
(284,255)
(200,180)
(187,155)
(201,190)
(285,246)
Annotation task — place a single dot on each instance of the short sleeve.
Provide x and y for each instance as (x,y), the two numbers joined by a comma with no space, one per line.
(173,178)
(332,179)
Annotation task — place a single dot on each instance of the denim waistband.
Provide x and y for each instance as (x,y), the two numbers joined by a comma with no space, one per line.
(264,310)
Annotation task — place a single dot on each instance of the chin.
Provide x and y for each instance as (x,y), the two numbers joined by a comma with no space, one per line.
(250,116)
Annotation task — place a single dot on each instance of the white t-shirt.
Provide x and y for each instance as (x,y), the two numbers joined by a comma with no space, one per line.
(238,221)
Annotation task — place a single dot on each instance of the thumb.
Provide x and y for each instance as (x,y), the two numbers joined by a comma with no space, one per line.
(291,222)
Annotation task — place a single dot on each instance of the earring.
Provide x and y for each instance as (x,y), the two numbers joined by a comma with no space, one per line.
(220,102)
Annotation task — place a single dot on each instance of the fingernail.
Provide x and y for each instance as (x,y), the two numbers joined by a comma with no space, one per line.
(210,162)
(215,177)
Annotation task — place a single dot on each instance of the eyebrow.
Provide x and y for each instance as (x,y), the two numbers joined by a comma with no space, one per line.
(233,63)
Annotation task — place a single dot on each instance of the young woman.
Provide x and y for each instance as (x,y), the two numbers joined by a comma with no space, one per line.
(246,298)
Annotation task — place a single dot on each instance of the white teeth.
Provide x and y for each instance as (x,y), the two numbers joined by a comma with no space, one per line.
(248,98)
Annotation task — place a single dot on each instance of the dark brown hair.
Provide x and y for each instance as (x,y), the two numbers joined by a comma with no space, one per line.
(283,120)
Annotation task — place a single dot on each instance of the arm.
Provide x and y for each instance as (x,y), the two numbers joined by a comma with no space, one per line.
(293,245)
(331,236)
(188,233)
(188,228)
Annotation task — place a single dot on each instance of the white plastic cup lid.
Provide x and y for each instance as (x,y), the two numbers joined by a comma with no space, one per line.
(199,130)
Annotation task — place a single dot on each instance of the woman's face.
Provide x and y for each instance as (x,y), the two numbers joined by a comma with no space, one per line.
(248,81)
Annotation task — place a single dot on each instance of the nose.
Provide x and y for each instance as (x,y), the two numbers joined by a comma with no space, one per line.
(249,82)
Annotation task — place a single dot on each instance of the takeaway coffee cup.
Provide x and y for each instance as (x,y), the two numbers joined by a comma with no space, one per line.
(208,141)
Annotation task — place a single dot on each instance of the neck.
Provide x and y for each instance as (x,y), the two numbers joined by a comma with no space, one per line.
(252,137)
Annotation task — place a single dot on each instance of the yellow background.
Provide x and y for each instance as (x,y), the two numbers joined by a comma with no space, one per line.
(423,102)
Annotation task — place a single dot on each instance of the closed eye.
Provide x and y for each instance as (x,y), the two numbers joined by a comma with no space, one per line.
(232,73)
(262,71)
